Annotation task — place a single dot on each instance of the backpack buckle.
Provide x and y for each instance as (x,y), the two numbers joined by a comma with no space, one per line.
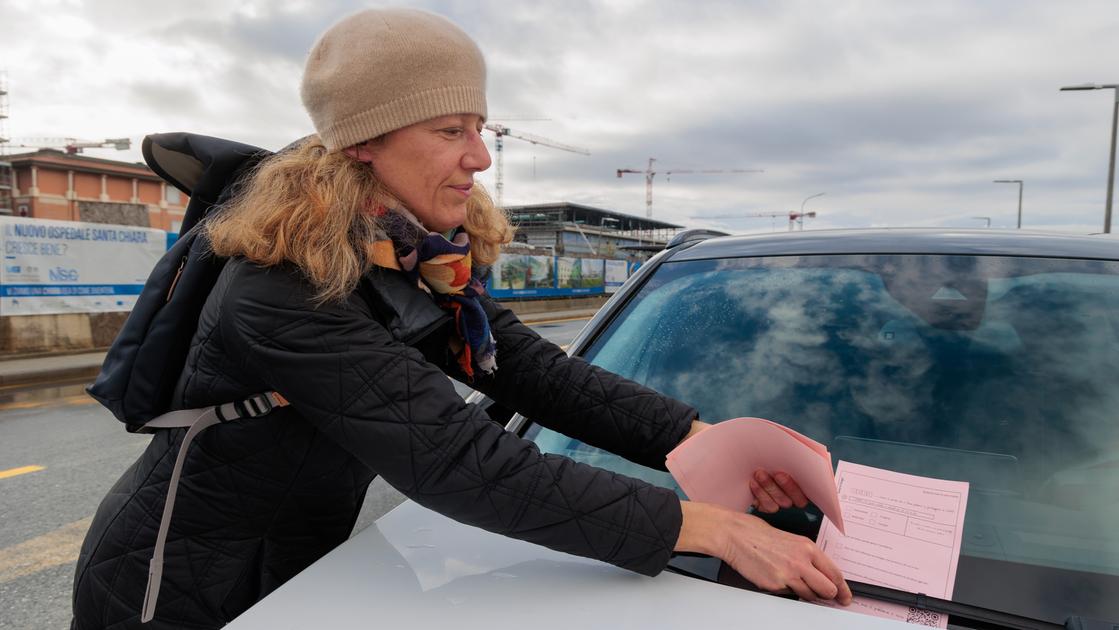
(257,405)
(254,406)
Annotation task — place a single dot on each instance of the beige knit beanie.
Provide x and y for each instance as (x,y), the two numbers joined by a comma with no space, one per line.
(383,69)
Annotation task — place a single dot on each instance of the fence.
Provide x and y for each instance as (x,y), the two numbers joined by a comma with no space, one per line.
(524,276)
(53,267)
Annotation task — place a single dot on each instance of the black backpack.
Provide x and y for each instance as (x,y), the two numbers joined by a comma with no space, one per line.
(138,376)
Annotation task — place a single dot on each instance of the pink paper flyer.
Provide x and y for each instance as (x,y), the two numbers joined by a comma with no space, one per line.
(716,465)
(902,531)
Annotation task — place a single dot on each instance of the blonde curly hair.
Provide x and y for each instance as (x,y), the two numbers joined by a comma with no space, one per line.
(308,206)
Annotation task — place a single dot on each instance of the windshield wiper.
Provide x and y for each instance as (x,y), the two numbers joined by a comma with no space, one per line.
(985,617)
(975,616)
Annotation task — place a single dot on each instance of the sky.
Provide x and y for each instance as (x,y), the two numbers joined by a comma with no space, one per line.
(901,112)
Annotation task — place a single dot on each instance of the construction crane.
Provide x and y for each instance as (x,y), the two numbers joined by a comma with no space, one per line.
(650,173)
(500,131)
(799,217)
(70,145)
(795,218)
(771,215)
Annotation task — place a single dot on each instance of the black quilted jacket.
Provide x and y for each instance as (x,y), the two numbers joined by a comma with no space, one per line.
(262,499)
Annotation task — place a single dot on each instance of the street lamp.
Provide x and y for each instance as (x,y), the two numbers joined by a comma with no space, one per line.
(1111,163)
(806,201)
(1019,182)
(798,217)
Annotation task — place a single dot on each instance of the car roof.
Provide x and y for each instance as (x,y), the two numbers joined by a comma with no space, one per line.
(982,242)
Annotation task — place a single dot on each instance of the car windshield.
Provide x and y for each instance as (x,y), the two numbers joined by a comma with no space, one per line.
(999,371)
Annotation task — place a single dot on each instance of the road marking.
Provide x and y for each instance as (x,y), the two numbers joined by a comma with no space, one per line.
(557,321)
(62,382)
(52,549)
(68,401)
(13,472)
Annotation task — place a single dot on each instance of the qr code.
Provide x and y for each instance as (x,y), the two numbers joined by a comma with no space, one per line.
(923,617)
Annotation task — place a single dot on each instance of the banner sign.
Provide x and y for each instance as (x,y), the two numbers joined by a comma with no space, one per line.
(579,275)
(545,276)
(74,267)
(520,275)
(616,273)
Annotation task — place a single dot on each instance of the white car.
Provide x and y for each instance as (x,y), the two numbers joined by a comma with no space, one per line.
(977,356)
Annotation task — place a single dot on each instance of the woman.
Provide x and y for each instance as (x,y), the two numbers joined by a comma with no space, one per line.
(350,291)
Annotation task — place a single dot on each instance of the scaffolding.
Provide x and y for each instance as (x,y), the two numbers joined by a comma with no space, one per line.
(3,112)
(7,176)
(602,232)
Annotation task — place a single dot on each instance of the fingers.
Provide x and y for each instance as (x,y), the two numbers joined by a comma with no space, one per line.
(813,585)
(773,492)
(790,487)
(821,586)
(801,588)
(825,566)
(762,499)
(815,576)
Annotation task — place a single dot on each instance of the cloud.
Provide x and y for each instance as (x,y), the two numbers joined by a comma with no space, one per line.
(903,114)
(146,94)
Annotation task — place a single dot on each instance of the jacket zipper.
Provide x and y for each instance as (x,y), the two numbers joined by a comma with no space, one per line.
(176,280)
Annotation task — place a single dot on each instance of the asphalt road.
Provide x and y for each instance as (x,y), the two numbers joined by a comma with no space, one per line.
(59,454)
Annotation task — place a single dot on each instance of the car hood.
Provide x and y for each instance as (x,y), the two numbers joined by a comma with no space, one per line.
(416,568)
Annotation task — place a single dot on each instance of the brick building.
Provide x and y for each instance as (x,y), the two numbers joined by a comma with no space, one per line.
(50,184)
(6,178)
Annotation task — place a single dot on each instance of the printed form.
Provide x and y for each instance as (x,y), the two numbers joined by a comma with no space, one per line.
(902,531)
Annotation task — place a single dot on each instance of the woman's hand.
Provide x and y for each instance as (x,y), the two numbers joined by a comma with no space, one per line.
(771,491)
(770,558)
(776,491)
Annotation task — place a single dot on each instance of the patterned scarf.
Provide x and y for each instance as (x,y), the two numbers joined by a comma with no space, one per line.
(442,267)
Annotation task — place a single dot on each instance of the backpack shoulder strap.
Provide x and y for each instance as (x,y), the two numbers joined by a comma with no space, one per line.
(252,407)
(197,420)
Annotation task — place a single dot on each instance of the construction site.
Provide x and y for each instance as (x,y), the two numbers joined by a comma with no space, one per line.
(560,249)
(51,178)
(571,229)
(565,256)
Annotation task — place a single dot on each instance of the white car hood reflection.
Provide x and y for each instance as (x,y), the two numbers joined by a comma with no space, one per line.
(415,568)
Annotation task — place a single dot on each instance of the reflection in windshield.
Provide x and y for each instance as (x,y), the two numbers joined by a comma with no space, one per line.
(1002,372)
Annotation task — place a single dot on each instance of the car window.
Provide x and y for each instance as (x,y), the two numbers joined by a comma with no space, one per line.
(1003,372)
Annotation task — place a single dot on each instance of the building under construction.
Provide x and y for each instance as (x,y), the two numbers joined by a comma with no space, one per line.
(6,174)
(571,229)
